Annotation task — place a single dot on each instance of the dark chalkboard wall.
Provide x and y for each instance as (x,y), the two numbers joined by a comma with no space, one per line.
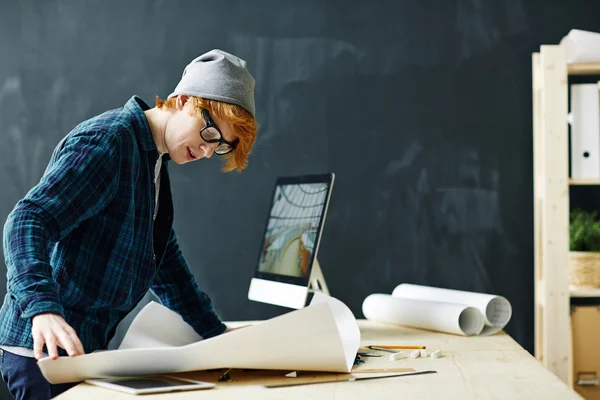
(422,109)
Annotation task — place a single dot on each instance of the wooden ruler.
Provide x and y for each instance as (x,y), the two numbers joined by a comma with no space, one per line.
(349,379)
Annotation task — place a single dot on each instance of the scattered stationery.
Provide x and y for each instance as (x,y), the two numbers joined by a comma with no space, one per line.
(436,354)
(386,347)
(398,356)
(368,354)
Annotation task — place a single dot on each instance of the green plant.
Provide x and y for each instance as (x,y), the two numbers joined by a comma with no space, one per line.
(584,231)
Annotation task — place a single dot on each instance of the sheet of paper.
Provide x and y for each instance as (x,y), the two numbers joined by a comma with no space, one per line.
(347,327)
(157,326)
(496,310)
(321,337)
(582,46)
(437,316)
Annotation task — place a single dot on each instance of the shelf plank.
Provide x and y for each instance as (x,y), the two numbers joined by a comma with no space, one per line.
(576,291)
(584,69)
(584,181)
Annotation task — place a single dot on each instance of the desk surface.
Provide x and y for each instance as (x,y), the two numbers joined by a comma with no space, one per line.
(471,368)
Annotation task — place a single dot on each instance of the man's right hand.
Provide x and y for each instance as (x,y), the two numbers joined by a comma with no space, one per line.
(52,330)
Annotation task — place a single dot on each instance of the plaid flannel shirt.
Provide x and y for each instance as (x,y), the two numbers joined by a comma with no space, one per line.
(83,242)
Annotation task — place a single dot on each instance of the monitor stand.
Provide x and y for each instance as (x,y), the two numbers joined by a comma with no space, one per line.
(287,294)
(317,280)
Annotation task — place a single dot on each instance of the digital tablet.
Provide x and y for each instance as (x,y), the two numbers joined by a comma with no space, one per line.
(150,384)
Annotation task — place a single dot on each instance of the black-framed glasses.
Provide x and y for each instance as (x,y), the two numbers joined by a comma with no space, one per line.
(211,134)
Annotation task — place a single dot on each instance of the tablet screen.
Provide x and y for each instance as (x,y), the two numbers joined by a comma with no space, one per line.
(152,383)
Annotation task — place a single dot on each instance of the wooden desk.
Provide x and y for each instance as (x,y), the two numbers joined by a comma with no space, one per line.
(494,367)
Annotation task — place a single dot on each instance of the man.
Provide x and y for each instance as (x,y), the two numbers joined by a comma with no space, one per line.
(85,245)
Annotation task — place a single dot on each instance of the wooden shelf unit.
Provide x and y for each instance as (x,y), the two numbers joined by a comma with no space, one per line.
(580,182)
(580,292)
(584,69)
(550,73)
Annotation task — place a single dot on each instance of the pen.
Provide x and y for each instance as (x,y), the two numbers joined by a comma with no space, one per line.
(385,348)
(369,354)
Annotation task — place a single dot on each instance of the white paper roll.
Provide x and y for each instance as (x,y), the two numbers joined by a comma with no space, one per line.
(582,46)
(496,310)
(424,314)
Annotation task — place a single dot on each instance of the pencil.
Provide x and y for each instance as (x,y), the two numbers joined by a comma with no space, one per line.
(374,347)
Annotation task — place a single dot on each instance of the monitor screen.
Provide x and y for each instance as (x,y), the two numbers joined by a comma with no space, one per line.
(292,228)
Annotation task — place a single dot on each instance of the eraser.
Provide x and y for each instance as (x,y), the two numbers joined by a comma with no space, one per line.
(423,354)
(436,354)
(398,356)
(415,353)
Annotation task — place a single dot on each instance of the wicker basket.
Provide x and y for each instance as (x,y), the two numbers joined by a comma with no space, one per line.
(584,268)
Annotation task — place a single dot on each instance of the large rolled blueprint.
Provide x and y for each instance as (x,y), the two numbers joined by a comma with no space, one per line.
(436,316)
(321,337)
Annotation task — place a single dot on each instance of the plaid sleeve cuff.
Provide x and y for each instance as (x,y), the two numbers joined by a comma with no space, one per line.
(40,305)
(219,329)
(208,324)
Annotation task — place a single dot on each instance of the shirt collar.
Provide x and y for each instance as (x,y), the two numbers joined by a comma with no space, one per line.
(135,108)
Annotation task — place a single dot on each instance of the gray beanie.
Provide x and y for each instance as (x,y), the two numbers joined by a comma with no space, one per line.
(218,75)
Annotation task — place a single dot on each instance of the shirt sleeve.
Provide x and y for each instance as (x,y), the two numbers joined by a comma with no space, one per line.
(80,181)
(177,289)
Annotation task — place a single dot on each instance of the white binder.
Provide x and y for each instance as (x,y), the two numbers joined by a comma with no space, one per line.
(585,131)
(582,46)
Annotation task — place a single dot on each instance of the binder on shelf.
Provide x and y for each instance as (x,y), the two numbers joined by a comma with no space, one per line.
(582,46)
(585,131)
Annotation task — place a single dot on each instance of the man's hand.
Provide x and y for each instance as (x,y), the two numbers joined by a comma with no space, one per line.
(53,330)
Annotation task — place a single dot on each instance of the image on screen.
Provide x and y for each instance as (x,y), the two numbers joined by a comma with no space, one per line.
(292,229)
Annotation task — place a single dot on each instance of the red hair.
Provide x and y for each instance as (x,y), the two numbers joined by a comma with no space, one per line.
(241,121)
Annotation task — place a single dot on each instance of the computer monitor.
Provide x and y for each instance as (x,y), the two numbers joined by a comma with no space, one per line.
(287,268)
